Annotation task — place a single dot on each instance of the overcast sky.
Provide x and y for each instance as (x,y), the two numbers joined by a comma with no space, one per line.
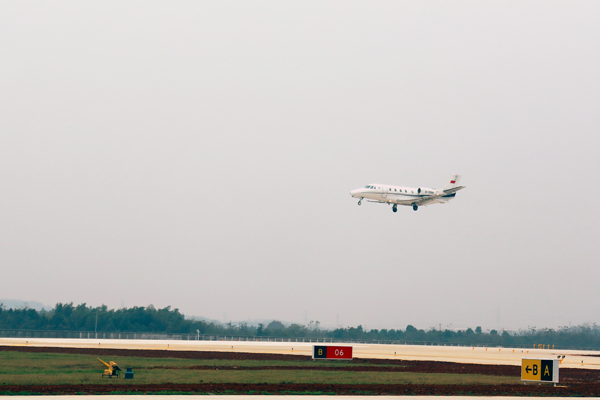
(201,155)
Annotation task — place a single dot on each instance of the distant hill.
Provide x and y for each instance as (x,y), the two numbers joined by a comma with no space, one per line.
(265,322)
(204,319)
(11,303)
(250,322)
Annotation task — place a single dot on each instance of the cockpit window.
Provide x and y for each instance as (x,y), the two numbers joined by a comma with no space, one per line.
(367,187)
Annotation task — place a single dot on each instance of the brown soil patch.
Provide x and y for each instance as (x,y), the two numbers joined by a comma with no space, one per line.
(579,382)
(592,390)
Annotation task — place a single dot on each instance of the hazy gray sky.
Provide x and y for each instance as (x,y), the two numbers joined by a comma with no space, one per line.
(201,154)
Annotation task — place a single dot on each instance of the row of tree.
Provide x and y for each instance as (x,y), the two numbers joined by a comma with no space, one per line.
(68,317)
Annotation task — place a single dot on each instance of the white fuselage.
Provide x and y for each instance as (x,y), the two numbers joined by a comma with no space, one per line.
(407,196)
(392,194)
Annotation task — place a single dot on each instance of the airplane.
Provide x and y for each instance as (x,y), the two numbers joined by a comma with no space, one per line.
(405,196)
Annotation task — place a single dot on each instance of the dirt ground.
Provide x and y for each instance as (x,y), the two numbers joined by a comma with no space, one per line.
(574,382)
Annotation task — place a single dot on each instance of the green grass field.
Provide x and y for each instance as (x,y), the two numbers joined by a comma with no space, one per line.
(17,368)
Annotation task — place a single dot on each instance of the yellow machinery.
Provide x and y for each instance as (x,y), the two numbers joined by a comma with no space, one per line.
(112,369)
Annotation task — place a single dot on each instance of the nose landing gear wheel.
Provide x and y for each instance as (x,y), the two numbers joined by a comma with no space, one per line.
(360,202)
(395,208)
(415,207)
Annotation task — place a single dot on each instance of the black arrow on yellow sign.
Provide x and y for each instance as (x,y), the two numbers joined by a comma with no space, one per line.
(538,370)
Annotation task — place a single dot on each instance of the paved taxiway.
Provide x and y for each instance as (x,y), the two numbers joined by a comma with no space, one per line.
(470,355)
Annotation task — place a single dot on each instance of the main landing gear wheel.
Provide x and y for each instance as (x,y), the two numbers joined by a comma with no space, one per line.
(360,201)
(395,208)
(415,207)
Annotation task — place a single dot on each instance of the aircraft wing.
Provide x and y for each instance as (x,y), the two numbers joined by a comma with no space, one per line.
(435,198)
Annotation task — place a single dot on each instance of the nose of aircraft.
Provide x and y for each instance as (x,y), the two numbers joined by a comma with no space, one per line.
(353,192)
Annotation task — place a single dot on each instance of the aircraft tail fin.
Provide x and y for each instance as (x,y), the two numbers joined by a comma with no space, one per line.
(454,180)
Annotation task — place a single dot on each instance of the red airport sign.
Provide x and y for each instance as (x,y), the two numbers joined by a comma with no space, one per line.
(332,352)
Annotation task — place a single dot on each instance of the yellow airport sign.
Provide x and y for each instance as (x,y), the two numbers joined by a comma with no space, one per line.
(545,370)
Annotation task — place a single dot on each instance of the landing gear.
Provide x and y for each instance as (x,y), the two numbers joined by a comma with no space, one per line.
(394,208)
(360,201)
(415,207)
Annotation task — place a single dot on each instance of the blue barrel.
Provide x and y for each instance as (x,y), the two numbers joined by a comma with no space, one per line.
(129,373)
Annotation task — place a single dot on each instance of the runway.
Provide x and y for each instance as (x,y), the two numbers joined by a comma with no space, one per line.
(469,355)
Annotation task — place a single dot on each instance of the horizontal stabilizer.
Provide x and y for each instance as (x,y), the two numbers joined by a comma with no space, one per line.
(453,190)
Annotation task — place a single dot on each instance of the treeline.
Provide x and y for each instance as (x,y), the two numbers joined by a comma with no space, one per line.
(582,336)
(83,318)
(68,317)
